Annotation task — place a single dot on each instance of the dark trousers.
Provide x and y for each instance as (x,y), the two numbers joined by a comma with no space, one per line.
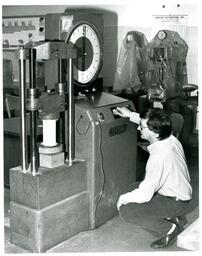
(151,215)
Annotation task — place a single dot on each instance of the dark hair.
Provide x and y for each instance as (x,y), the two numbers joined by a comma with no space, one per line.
(158,122)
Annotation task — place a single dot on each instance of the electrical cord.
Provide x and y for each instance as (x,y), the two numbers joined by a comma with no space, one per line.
(102,170)
(86,131)
(101,154)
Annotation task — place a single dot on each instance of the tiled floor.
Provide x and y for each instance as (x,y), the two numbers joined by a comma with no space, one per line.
(113,236)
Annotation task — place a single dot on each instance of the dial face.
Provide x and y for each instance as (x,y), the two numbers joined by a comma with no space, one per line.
(162,35)
(89,53)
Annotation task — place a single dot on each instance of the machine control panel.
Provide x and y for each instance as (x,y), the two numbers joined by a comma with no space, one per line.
(100,116)
(103,106)
(115,116)
(114,110)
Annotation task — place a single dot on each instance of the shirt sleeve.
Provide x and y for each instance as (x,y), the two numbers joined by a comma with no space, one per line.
(135,117)
(154,179)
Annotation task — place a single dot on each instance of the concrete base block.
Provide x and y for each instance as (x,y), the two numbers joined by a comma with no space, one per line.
(37,231)
(50,207)
(53,160)
(48,186)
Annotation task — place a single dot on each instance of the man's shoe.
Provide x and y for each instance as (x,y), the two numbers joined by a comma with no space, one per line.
(167,240)
(178,220)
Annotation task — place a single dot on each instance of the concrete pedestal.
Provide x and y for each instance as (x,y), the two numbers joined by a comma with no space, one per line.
(48,208)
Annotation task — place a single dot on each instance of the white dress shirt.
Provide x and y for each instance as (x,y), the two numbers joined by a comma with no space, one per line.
(166,173)
(135,117)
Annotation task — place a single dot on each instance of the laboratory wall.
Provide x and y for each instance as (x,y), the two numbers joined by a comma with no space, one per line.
(119,19)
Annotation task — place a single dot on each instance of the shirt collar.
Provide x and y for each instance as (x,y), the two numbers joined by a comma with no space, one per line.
(159,145)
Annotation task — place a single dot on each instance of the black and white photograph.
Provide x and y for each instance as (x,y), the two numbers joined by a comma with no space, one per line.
(100,127)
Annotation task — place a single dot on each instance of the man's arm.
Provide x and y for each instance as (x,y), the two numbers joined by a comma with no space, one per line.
(154,179)
(143,194)
(125,112)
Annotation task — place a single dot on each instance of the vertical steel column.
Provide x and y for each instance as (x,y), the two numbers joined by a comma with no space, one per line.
(33,112)
(61,88)
(23,130)
(71,114)
(60,71)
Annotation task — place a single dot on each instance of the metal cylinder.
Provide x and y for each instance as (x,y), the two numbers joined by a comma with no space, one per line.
(33,114)
(32,99)
(23,130)
(49,133)
(71,114)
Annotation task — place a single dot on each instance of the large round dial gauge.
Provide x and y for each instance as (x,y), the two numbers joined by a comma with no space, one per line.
(87,42)
(162,35)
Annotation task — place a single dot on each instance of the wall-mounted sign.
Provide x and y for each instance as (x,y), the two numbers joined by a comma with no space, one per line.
(176,23)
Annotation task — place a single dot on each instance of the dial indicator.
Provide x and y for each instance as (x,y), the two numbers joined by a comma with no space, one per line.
(162,35)
(87,42)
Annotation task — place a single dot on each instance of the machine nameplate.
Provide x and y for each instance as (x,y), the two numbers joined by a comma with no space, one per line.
(117,130)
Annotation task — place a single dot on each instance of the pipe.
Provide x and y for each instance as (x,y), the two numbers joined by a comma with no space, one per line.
(23,130)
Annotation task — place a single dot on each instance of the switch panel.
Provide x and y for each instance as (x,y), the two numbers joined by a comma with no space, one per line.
(101,117)
(18,31)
